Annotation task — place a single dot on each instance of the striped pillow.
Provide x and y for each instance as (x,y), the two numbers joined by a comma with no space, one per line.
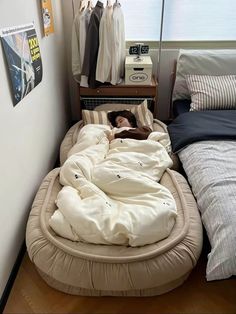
(141,113)
(95,117)
(212,92)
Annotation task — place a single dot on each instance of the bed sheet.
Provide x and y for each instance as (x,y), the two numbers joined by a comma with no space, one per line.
(206,145)
(211,170)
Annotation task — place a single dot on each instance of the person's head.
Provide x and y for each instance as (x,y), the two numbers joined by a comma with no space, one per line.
(122,118)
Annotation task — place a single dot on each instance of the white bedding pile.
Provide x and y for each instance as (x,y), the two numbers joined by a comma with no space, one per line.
(111,193)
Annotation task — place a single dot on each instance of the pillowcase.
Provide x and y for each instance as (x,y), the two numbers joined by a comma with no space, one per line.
(95,117)
(141,113)
(201,62)
(212,92)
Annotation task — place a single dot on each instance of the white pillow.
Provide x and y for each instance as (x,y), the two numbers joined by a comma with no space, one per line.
(201,62)
(212,92)
(141,113)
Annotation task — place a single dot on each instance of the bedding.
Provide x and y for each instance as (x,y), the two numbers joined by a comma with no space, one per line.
(191,126)
(111,193)
(83,268)
(201,62)
(141,112)
(100,270)
(206,145)
(180,106)
(71,136)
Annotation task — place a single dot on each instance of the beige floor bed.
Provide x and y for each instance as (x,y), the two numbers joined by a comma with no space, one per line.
(88,269)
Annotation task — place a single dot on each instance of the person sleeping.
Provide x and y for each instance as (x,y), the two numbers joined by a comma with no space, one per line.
(125,126)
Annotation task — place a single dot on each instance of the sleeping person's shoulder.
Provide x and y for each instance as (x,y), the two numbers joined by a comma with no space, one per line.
(146,128)
(140,133)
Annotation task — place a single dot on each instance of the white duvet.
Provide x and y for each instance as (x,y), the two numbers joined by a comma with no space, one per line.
(111,193)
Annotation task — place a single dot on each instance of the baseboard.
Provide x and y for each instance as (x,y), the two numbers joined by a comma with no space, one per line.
(12,277)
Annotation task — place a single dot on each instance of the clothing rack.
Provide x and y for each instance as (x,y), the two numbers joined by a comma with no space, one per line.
(88,68)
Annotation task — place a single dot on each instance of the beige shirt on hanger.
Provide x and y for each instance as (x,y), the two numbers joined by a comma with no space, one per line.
(78,38)
(92,45)
(75,51)
(118,47)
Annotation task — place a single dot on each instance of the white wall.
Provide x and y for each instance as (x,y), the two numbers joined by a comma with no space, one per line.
(31,132)
(67,8)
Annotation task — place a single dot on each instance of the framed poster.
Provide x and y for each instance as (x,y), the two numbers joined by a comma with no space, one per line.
(21,49)
(48,23)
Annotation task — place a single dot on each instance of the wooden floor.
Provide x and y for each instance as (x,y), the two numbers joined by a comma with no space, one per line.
(30,294)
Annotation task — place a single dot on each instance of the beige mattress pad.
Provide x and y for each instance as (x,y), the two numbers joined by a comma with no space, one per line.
(91,269)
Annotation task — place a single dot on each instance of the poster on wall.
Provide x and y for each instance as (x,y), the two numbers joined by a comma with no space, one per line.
(21,48)
(48,23)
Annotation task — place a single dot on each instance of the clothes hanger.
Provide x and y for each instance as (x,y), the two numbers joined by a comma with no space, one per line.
(82,5)
(90,5)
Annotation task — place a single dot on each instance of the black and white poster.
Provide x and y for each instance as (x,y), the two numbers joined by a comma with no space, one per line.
(21,48)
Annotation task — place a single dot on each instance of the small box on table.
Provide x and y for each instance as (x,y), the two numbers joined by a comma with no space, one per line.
(138,71)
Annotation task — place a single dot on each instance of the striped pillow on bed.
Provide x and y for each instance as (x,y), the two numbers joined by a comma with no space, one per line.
(212,92)
(95,117)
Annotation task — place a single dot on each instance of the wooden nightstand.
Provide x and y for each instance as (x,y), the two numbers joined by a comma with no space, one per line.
(121,91)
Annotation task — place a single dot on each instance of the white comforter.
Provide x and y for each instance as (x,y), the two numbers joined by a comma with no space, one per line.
(111,193)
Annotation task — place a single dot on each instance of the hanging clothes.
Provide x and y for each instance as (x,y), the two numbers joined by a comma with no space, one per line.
(118,47)
(78,39)
(84,24)
(92,45)
(104,60)
(75,53)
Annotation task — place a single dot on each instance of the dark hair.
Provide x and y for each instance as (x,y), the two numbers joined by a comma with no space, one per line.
(123,113)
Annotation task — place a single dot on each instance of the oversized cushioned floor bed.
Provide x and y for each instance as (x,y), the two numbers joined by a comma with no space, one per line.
(82,268)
